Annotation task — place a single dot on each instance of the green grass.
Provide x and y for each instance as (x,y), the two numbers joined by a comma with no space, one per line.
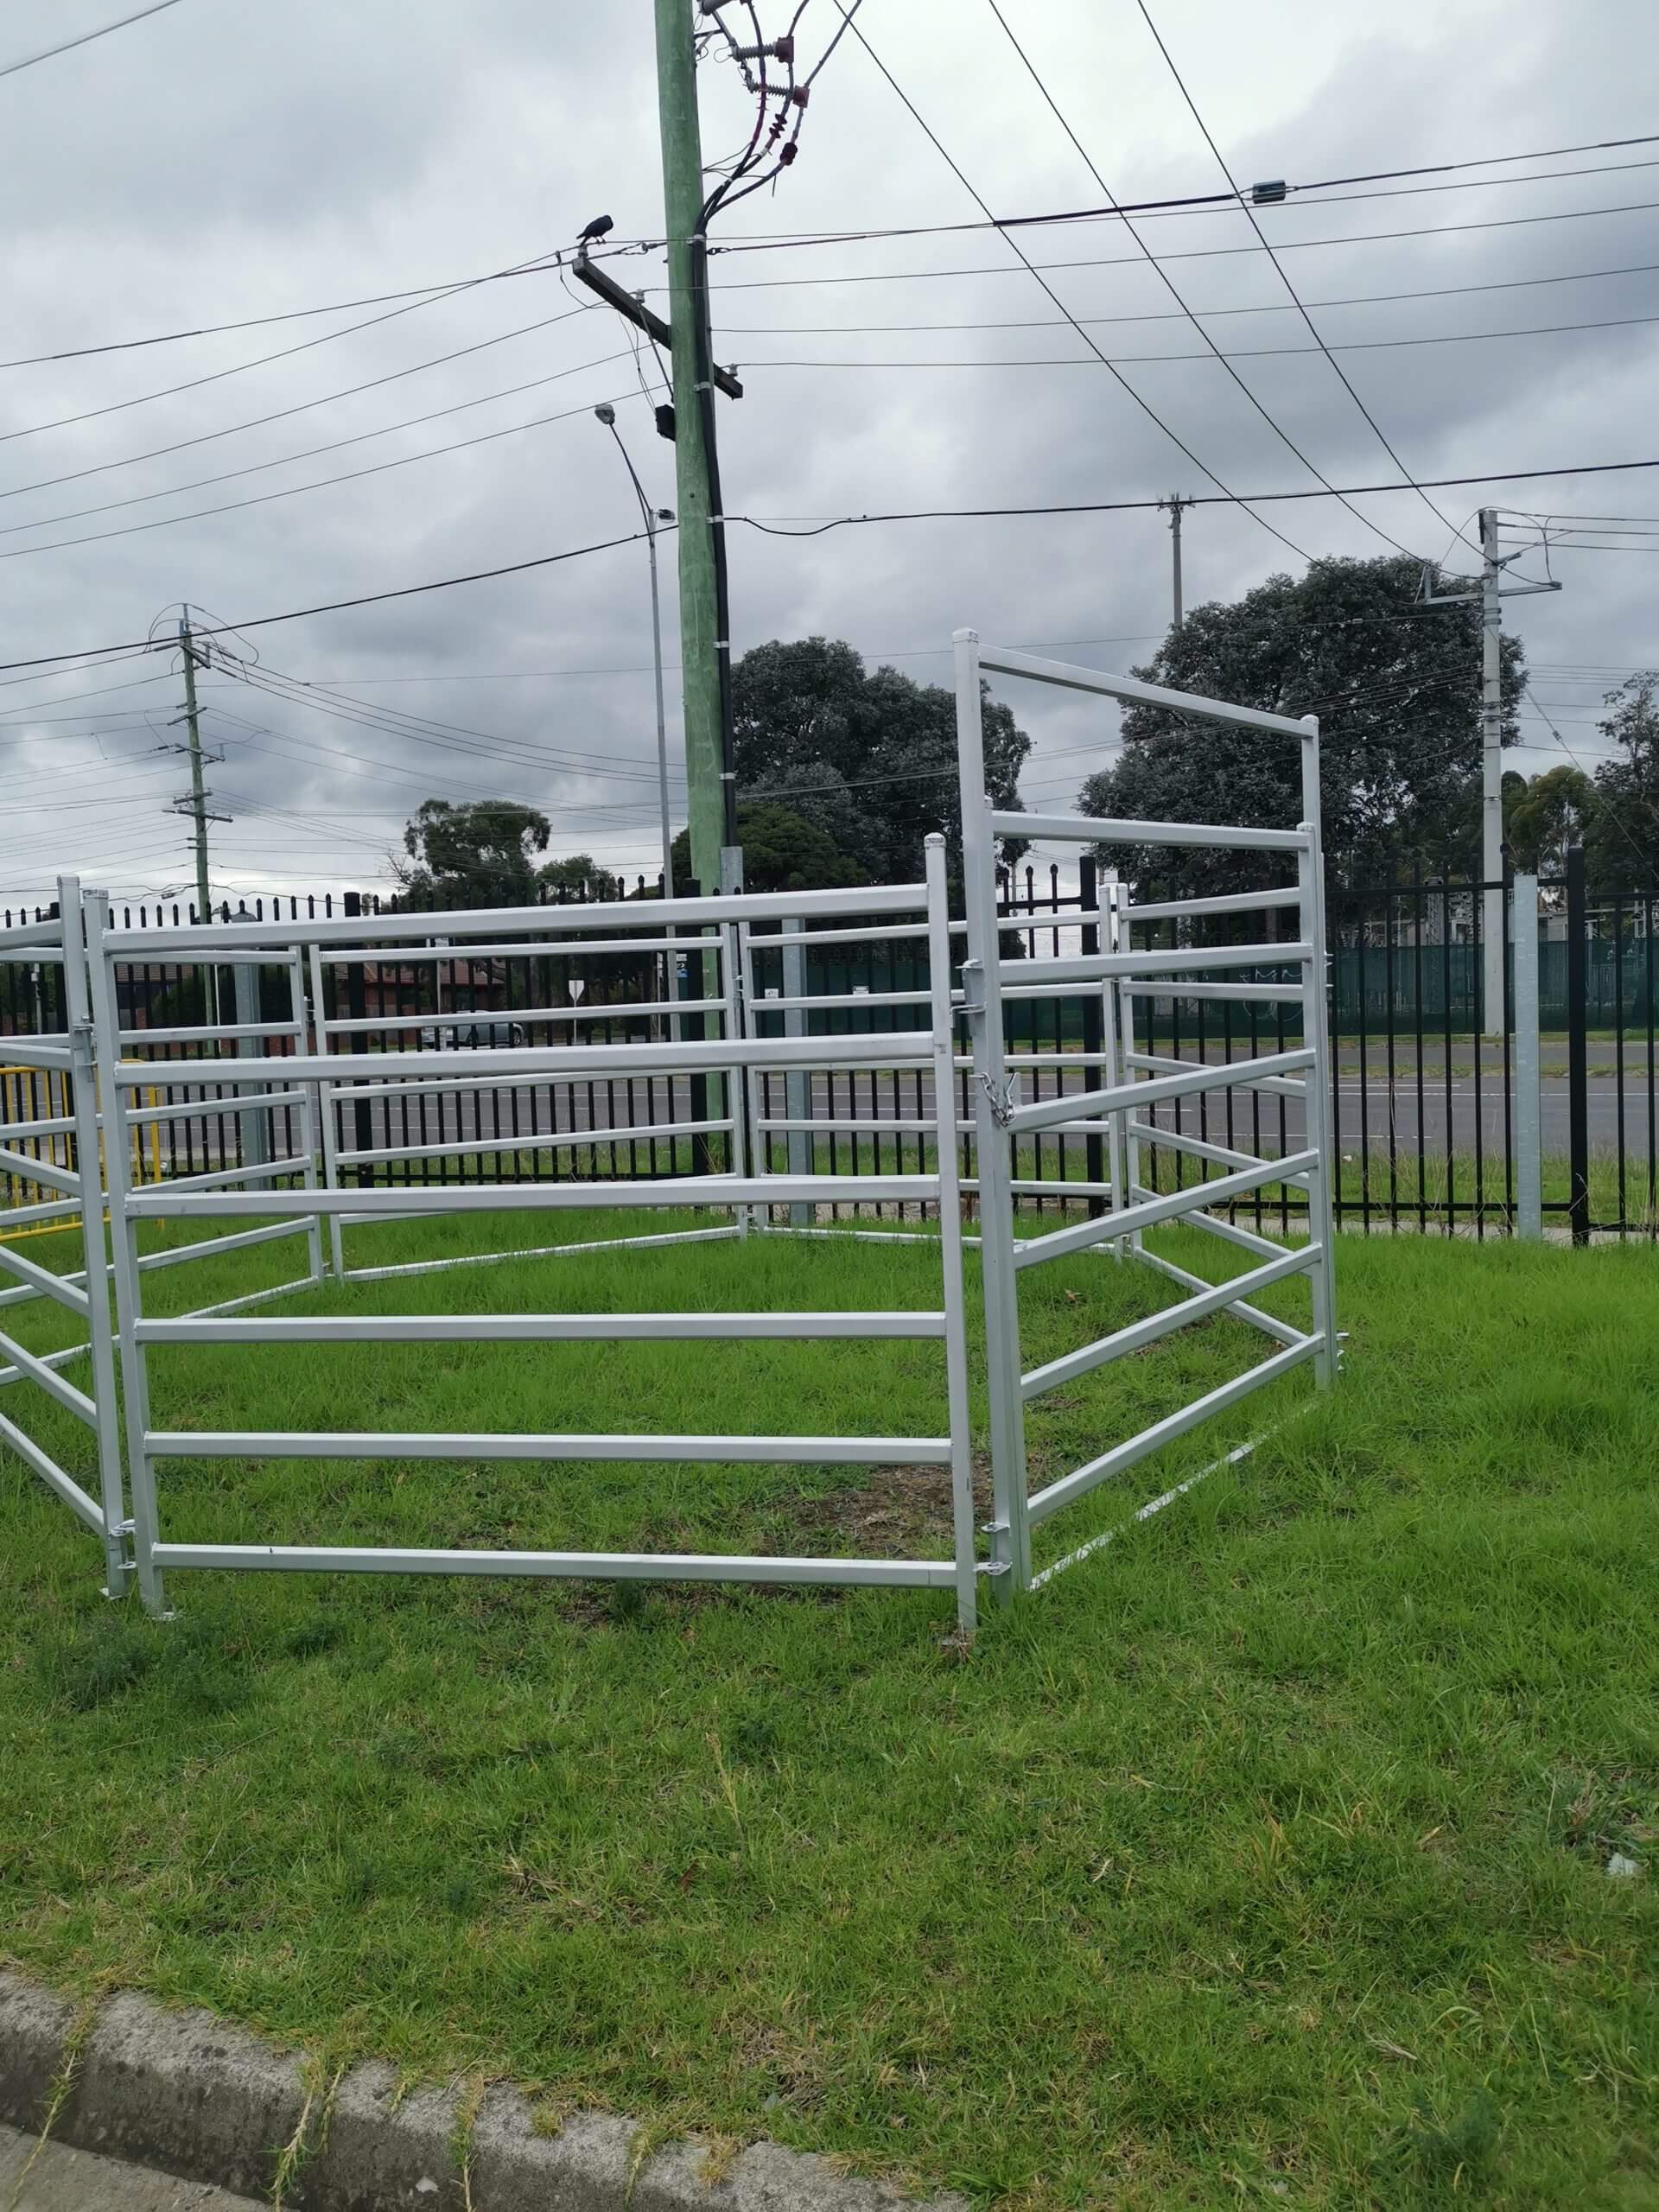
(1259,1859)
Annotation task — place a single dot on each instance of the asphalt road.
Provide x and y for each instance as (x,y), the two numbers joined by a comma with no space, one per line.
(1440,1116)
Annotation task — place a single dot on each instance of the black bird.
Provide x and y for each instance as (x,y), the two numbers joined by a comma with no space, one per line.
(596,229)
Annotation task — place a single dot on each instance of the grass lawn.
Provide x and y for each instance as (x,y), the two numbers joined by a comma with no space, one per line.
(1259,1859)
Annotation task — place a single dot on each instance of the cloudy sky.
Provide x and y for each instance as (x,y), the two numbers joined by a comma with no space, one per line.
(222,161)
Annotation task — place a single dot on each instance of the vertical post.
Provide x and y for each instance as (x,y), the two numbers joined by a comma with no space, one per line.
(299,1015)
(1115,1070)
(135,1381)
(325,1097)
(1529,1139)
(955,1300)
(682,197)
(1093,1148)
(198,793)
(1491,777)
(254,1125)
(798,1082)
(1316,1031)
(95,1253)
(983,999)
(1578,1104)
(740,1084)
(357,1008)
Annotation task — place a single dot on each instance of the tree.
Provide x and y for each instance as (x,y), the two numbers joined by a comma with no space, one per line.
(782,851)
(1546,816)
(1397,687)
(1620,830)
(479,853)
(580,876)
(868,758)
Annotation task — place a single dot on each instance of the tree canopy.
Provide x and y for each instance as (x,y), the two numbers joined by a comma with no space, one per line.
(1397,687)
(580,876)
(782,851)
(866,757)
(472,853)
(1621,824)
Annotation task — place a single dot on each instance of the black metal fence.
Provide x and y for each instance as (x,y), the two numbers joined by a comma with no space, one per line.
(1423,1102)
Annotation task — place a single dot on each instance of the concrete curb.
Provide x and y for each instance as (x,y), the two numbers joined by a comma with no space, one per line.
(185,2094)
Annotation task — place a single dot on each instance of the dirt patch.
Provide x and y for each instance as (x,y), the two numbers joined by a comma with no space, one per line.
(894,1511)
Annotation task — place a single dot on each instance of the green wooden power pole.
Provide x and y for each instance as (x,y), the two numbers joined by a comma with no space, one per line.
(683,197)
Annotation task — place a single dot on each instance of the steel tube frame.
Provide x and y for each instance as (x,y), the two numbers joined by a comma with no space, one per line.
(1135,1083)
(325,1073)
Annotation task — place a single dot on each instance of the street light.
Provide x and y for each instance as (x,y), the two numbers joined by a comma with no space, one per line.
(651,516)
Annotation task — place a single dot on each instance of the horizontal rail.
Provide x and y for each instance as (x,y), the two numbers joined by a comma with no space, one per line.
(371,1444)
(1213,1076)
(1169,1206)
(32,1052)
(1230,902)
(56,1125)
(534,1140)
(224,1178)
(1082,1479)
(619,1567)
(25,1362)
(1212,1299)
(1097,967)
(1088,829)
(51,1474)
(42,1278)
(1281,1086)
(161,1200)
(1174,988)
(725,1234)
(1153,1506)
(539,1328)
(473,1066)
(534,948)
(206,1032)
(1137,692)
(30,936)
(1195,1148)
(504,1017)
(1285,1332)
(836,1001)
(1216,1224)
(896,1126)
(43,1209)
(205,1110)
(208,1245)
(803,939)
(466,924)
(24,1168)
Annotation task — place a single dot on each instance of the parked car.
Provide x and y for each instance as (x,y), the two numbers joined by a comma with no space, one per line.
(465,1035)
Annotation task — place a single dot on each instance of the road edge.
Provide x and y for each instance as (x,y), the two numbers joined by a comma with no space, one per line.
(187,2094)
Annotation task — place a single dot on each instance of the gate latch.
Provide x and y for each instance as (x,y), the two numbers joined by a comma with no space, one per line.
(1004,1097)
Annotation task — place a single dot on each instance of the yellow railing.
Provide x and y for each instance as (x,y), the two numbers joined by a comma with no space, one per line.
(42,1095)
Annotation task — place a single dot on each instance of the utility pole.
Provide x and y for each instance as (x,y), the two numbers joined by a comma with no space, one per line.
(1173,505)
(196,803)
(1492,591)
(703,647)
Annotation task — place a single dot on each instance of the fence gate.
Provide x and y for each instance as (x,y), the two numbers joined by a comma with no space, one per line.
(49,1146)
(1137,1087)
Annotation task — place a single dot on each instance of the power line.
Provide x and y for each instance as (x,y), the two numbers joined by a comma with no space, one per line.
(1604,804)
(284,353)
(281,414)
(1163,315)
(1239,353)
(1190,253)
(94,656)
(1145,406)
(1169,281)
(1284,275)
(69,45)
(291,491)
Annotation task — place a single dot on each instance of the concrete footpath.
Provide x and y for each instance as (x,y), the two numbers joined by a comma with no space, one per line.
(182,2094)
(62,2180)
